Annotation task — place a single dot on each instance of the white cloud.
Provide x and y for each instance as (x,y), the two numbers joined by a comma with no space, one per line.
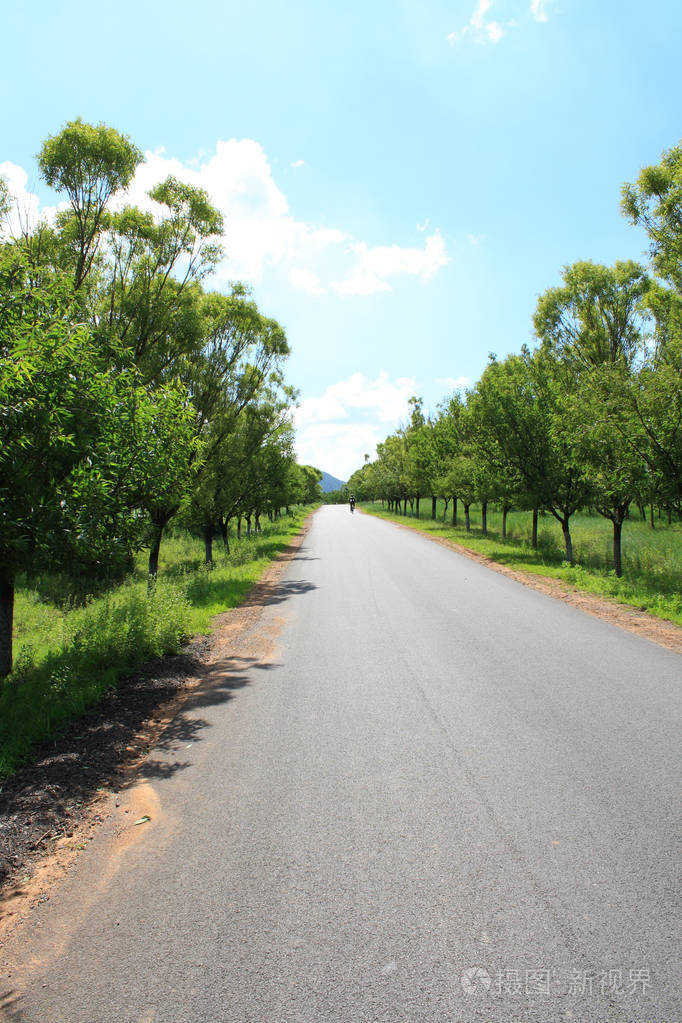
(478,17)
(305,280)
(482,30)
(261,234)
(335,431)
(537,10)
(375,266)
(475,239)
(298,163)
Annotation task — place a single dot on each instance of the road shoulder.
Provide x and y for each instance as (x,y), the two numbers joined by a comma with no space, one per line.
(665,633)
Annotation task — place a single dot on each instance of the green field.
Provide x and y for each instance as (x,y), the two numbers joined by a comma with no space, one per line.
(68,653)
(652,558)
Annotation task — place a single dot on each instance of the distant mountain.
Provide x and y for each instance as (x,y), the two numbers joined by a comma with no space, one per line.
(331,483)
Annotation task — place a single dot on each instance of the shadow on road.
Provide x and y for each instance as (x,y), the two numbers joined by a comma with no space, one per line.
(10,1009)
(218,687)
(268,594)
(43,800)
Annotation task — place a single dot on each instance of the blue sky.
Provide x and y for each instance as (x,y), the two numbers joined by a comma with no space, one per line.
(400,180)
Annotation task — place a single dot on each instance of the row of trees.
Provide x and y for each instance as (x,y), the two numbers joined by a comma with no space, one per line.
(129,393)
(591,418)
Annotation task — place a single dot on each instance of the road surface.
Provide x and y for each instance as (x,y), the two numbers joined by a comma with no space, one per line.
(434,795)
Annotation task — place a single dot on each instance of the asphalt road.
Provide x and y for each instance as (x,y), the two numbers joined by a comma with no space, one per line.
(437,796)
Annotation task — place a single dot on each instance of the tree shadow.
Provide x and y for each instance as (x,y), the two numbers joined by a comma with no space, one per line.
(217,687)
(10,1008)
(267,594)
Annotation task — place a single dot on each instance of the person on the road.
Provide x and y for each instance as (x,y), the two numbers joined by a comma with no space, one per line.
(352,503)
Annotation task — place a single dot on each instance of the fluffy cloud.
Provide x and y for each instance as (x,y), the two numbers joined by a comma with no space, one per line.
(305,280)
(261,233)
(375,266)
(335,431)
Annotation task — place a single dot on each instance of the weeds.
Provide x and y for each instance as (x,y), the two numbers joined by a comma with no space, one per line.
(70,652)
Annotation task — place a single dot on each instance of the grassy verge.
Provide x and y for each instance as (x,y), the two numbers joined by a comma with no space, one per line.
(652,558)
(67,657)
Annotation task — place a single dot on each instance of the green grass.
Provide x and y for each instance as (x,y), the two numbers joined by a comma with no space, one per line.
(652,558)
(69,653)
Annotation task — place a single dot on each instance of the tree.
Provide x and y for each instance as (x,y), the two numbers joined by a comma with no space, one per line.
(311,491)
(596,318)
(655,202)
(654,425)
(147,295)
(90,163)
(595,327)
(238,373)
(71,439)
(5,202)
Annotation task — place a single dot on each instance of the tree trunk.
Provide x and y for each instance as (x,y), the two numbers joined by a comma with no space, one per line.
(256,523)
(6,621)
(484,517)
(670,516)
(224,530)
(239,527)
(418,500)
(617,545)
(248,524)
(446,502)
(565,529)
(505,511)
(534,536)
(208,544)
(467,519)
(652,517)
(642,510)
(454,510)
(434,507)
(157,533)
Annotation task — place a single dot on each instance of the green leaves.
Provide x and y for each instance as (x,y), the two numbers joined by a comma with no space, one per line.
(90,163)
(655,202)
(598,316)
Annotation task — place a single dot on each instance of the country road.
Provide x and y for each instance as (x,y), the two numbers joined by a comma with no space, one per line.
(428,794)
